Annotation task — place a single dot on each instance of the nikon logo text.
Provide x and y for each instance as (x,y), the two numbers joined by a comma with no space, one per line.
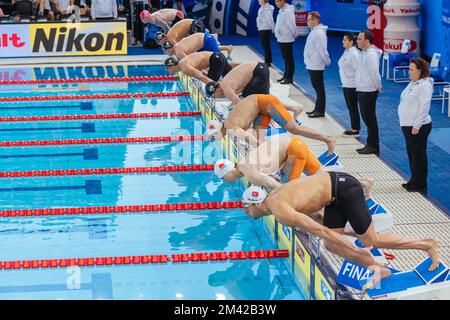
(65,39)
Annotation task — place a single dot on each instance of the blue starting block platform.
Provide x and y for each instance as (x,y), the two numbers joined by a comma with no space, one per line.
(330,162)
(418,283)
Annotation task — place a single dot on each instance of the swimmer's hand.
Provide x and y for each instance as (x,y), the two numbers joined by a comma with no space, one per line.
(380,273)
(331,143)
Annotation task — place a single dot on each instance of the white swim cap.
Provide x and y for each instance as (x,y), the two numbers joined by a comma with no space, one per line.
(213,127)
(223,167)
(254,194)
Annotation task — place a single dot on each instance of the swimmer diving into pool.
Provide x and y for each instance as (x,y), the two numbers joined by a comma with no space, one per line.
(179,30)
(258,110)
(285,153)
(197,42)
(164,18)
(342,197)
(194,65)
(246,79)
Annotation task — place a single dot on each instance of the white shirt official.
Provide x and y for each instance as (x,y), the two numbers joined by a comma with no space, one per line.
(285,27)
(368,77)
(415,101)
(315,54)
(264,20)
(348,63)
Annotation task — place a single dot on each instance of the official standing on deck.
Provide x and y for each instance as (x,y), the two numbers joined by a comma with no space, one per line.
(316,59)
(265,24)
(415,121)
(285,33)
(347,71)
(368,86)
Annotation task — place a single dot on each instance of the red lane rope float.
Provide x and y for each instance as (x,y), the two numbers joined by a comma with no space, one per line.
(97,96)
(104,171)
(99,141)
(222,256)
(121,209)
(80,80)
(102,116)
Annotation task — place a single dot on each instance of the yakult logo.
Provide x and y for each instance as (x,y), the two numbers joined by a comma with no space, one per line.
(11,40)
(401,10)
(395,45)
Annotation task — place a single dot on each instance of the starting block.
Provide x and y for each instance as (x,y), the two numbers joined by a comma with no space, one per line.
(416,284)
(330,163)
(383,220)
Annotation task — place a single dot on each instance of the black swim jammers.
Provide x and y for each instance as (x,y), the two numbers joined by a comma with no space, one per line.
(348,204)
(260,83)
(218,66)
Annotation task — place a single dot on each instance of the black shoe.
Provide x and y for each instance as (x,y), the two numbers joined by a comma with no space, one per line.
(368,150)
(316,115)
(351,133)
(310,112)
(281,79)
(413,188)
(406,185)
(286,81)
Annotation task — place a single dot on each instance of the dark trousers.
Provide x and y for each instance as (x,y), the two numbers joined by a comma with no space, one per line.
(368,104)
(265,35)
(351,99)
(287,52)
(316,77)
(416,146)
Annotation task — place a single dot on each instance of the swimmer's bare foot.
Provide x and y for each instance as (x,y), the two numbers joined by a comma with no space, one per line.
(331,145)
(297,112)
(380,273)
(230,49)
(367,185)
(433,252)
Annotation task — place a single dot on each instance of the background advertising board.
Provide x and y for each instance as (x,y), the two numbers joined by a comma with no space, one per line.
(63,39)
(14,40)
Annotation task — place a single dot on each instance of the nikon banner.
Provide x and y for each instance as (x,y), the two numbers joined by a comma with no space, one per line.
(63,39)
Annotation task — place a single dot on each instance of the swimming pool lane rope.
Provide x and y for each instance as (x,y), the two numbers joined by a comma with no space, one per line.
(195,206)
(111,116)
(221,256)
(96,96)
(93,141)
(106,171)
(89,80)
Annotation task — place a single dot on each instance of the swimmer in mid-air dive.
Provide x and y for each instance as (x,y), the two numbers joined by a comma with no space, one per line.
(164,18)
(342,197)
(247,78)
(285,153)
(258,110)
(197,42)
(180,30)
(194,64)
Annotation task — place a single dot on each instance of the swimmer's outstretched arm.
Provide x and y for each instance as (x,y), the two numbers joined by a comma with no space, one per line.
(229,92)
(161,23)
(243,135)
(255,177)
(193,72)
(313,134)
(335,242)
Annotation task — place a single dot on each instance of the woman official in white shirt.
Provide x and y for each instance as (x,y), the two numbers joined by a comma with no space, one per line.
(415,122)
(347,72)
(265,24)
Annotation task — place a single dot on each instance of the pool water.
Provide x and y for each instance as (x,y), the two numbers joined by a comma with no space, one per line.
(53,237)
